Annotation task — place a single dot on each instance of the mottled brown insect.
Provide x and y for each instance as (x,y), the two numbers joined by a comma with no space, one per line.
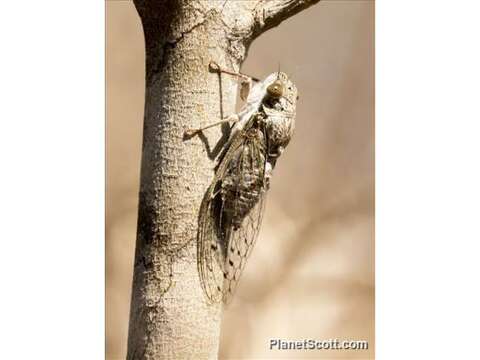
(233,206)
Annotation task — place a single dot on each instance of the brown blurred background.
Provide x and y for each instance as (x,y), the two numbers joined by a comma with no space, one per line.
(311,274)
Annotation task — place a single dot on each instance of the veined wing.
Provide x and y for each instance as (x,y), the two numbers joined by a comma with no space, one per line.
(240,245)
(223,248)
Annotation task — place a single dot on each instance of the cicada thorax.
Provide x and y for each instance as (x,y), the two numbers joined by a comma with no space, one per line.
(279,124)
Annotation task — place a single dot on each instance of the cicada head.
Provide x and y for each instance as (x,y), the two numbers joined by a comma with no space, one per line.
(281,88)
(275,90)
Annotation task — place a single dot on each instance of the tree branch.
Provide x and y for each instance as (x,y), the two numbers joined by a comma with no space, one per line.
(270,13)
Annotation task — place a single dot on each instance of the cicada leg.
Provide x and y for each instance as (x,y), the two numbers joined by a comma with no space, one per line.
(215,67)
(231,119)
(267,176)
(245,80)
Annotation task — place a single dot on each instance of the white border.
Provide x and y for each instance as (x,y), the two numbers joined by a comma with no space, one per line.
(428,179)
(52,179)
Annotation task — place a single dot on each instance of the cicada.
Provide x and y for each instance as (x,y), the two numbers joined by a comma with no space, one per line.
(232,209)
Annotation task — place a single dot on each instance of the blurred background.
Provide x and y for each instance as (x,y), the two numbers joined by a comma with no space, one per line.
(311,274)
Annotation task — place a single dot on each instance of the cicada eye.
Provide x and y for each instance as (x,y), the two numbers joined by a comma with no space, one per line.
(275,90)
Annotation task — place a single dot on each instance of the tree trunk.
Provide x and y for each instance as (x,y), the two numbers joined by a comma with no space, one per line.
(169,316)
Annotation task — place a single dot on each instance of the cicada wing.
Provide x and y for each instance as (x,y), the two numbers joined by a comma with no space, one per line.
(211,242)
(223,248)
(241,238)
(240,244)
(209,255)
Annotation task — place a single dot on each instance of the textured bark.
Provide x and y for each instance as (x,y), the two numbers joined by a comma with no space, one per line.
(169,315)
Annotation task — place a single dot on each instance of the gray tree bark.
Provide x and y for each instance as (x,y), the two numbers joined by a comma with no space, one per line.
(169,315)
